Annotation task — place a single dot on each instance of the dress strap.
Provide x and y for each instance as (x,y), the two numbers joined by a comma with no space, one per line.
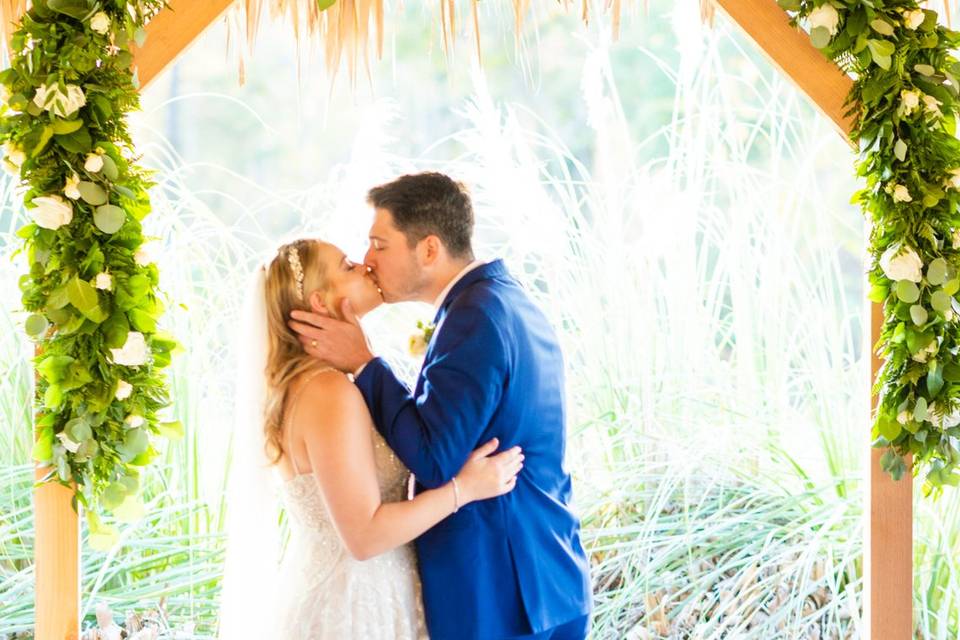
(293,407)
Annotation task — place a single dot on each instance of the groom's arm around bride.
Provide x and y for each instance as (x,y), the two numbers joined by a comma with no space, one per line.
(508,567)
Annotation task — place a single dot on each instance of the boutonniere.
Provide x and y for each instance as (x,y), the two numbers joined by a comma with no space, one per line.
(419,340)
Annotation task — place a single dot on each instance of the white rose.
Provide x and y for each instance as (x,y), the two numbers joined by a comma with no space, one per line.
(71,188)
(51,212)
(67,443)
(932,105)
(124,390)
(104,281)
(134,351)
(825,16)
(901,264)
(14,154)
(950,421)
(93,163)
(100,22)
(903,417)
(133,421)
(913,19)
(60,103)
(909,101)
(901,193)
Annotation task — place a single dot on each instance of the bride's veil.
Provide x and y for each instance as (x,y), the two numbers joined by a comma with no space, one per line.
(250,581)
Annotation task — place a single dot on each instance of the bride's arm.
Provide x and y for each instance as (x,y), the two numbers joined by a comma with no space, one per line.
(334,425)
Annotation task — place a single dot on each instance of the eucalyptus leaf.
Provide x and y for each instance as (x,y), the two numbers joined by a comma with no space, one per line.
(908,291)
(820,37)
(940,301)
(918,314)
(109,218)
(924,69)
(937,272)
(36,325)
(920,410)
(110,168)
(92,193)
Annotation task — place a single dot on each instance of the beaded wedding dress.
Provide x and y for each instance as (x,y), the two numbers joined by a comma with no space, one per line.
(327,595)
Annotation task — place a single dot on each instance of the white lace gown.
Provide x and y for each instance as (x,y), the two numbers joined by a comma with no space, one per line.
(325,593)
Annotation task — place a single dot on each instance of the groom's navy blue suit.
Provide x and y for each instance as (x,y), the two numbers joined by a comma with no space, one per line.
(513,565)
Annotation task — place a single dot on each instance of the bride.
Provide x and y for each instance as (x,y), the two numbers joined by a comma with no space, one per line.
(348,570)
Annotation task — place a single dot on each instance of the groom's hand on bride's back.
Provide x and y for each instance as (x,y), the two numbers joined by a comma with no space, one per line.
(341,343)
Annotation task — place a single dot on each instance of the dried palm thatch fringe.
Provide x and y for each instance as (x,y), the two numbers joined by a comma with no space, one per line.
(346,28)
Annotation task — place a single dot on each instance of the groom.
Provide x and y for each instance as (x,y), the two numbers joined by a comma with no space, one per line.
(509,567)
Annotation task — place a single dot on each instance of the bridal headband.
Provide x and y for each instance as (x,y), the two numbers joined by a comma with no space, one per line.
(293,257)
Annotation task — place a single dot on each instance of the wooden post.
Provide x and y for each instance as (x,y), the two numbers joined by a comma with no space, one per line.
(888,544)
(888,548)
(56,563)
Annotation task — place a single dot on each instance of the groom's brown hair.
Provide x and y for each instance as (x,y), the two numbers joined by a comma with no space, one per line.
(429,203)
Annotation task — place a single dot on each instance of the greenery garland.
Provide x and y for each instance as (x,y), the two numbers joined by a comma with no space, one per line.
(92,288)
(905,103)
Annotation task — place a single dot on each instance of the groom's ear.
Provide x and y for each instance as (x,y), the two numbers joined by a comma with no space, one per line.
(430,248)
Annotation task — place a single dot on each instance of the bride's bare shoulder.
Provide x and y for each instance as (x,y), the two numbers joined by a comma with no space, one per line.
(330,391)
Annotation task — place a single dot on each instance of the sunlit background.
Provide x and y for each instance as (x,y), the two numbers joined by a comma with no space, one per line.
(677,208)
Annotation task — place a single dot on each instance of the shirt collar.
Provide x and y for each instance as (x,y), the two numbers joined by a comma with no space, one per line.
(453,281)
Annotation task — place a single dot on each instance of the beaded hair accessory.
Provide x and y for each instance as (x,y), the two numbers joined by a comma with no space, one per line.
(293,257)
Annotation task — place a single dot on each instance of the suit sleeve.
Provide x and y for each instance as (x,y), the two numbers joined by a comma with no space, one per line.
(434,431)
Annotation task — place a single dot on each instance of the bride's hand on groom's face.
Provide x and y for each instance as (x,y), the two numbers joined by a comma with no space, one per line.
(341,343)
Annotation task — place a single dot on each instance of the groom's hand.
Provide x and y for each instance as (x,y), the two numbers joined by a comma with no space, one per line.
(341,343)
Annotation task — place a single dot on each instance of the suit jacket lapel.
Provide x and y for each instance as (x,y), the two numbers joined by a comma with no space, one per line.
(488,271)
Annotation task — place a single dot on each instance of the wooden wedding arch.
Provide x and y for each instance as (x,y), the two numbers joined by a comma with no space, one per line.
(888,550)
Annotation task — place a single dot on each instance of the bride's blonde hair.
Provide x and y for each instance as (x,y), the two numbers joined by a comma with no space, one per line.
(294,273)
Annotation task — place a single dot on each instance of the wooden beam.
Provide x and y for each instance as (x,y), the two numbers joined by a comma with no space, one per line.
(56,563)
(790,50)
(171,33)
(888,544)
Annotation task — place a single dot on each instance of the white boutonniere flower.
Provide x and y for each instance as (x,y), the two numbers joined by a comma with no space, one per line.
(419,341)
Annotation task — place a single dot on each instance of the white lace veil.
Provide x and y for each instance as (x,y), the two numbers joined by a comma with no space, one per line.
(250,581)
